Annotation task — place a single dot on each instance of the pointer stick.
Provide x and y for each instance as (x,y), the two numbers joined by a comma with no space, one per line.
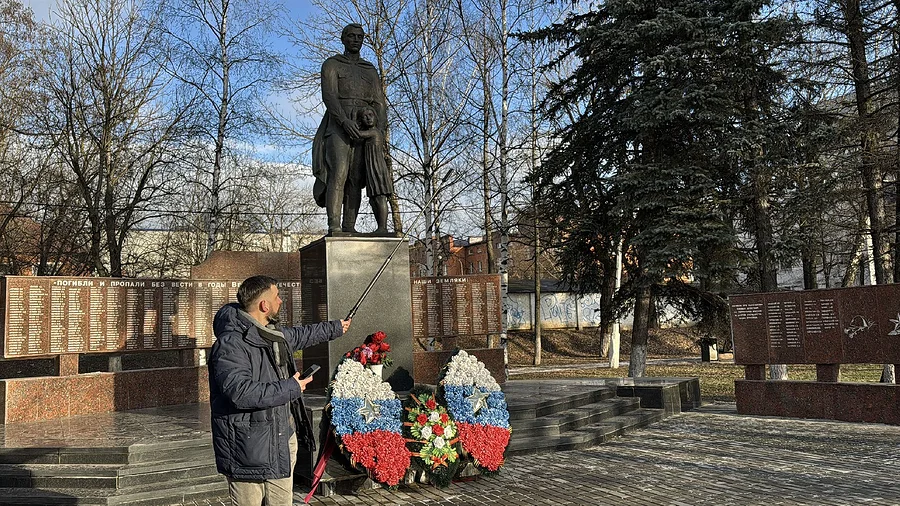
(387,260)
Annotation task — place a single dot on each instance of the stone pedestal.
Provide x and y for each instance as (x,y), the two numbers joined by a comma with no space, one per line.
(334,272)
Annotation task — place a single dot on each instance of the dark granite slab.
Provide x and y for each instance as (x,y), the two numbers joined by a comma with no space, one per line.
(335,271)
(851,402)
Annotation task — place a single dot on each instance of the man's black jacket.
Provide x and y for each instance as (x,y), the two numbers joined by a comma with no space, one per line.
(251,405)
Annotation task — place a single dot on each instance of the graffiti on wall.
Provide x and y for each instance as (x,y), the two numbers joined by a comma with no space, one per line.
(519,311)
(558,310)
(589,309)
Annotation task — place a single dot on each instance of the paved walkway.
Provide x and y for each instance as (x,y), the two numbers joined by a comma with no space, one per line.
(710,456)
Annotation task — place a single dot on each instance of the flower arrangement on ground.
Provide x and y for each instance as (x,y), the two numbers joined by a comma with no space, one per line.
(477,405)
(373,351)
(366,419)
(431,437)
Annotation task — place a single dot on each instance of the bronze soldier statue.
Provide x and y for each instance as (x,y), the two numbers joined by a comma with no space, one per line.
(349,86)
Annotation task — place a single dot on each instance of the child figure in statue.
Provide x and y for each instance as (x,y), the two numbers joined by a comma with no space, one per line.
(379,186)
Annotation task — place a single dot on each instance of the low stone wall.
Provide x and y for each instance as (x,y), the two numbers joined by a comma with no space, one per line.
(51,397)
(849,402)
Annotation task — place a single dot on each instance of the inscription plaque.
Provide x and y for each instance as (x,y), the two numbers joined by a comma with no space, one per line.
(57,315)
(455,306)
(830,326)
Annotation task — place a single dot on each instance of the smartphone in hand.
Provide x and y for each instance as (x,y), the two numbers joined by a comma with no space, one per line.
(309,371)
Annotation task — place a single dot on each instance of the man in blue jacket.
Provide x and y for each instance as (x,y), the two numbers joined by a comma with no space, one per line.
(255,394)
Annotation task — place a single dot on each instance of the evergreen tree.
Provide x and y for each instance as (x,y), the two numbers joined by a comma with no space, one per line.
(675,104)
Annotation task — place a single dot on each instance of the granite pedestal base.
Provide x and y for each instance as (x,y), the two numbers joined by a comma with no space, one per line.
(52,397)
(849,402)
(334,273)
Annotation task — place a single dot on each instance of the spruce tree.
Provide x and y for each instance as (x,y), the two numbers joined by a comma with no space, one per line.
(672,104)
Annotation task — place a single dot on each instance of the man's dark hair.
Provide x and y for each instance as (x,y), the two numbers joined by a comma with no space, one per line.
(252,288)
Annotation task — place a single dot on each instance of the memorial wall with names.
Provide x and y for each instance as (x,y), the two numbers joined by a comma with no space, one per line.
(57,315)
(456,306)
(830,326)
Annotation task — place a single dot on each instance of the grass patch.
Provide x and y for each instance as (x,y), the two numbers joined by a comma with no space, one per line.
(716,379)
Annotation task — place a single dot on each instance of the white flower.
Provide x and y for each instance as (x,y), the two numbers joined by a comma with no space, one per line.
(434,416)
(438,442)
(426,432)
(449,431)
(353,380)
(467,370)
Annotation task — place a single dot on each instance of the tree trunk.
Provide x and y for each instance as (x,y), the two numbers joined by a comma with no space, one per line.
(606,307)
(653,315)
(504,184)
(808,259)
(223,105)
(897,220)
(486,162)
(869,170)
(639,332)
(766,268)
(537,298)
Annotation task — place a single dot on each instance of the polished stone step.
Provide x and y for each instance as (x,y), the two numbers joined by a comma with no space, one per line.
(158,494)
(586,436)
(102,476)
(200,447)
(544,403)
(571,419)
(107,455)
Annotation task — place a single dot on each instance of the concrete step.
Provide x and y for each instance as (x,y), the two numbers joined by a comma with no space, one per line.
(571,419)
(586,436)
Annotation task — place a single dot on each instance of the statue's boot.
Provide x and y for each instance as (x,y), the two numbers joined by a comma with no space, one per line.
(351,210)
(333,203)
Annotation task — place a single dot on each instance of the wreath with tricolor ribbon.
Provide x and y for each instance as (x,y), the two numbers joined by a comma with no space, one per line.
(366,419)
(477,405)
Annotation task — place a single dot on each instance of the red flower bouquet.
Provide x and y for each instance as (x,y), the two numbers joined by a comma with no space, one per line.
(373,351)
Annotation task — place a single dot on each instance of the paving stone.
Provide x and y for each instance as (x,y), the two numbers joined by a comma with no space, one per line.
(707,457)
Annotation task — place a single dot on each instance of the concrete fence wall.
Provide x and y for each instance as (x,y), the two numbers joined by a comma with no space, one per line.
(558,310)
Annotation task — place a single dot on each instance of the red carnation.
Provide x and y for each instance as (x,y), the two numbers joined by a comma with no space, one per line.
(382,452)
(430,404)
(438,430)
(422,419)
(384,347)
(444,417)
(486,443)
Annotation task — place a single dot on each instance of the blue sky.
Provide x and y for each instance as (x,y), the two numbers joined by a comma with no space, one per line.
(42,8)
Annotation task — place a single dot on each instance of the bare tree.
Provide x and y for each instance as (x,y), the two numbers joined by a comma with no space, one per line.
(223,54)
(109,118)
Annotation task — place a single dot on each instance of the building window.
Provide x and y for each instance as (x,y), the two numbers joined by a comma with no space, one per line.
(480,267)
